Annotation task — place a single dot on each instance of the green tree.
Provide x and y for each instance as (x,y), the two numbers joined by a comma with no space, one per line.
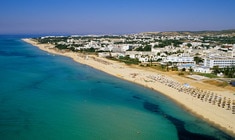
(167,65)
(189,44)
(61,47)
(198,59)
(216,70)
(190,69)
(229,72)
(144,48)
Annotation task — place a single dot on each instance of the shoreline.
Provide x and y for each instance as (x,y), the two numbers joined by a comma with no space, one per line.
(192,99)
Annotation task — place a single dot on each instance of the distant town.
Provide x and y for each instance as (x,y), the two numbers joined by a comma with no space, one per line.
(210,53)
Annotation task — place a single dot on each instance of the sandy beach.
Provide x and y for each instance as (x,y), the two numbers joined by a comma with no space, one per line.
(215,105)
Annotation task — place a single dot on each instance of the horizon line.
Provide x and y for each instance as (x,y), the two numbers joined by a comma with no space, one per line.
(84,34)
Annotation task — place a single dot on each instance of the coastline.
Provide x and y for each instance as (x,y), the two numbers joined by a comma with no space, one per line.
(166,85)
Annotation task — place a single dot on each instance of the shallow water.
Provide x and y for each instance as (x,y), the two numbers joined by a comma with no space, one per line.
(43,96)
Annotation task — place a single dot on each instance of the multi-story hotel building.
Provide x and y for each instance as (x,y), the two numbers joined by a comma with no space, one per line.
(180,60)
(221,62)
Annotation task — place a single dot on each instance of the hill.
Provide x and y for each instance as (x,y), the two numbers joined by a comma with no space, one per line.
(193,33)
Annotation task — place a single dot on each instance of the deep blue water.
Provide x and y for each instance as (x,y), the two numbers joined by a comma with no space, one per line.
(47,97)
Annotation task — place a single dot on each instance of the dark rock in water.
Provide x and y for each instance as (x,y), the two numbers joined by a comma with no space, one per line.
(151,107)
(136,97)
(183,134)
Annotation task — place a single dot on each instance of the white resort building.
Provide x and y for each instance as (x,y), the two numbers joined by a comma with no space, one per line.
(221,62)
(180,60)
(202,69)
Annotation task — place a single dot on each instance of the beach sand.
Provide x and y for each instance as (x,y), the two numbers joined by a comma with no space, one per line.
(212,104)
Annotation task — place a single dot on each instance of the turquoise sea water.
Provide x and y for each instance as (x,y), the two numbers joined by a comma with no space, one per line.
(47,97)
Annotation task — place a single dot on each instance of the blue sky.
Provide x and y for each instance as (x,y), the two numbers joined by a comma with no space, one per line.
(114,16)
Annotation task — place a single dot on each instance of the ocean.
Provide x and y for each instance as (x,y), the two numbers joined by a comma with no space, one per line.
(50,97)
